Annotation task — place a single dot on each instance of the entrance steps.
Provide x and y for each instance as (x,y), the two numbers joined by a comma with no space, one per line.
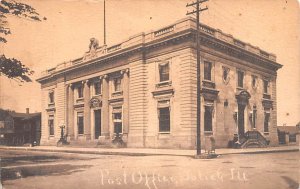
(251,139)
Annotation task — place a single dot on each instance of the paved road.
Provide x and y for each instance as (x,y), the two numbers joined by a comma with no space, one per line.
(21,169)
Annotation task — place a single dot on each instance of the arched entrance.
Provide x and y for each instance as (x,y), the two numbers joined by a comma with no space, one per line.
(242,98)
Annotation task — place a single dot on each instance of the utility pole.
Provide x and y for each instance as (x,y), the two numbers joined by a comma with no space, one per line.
(197,5)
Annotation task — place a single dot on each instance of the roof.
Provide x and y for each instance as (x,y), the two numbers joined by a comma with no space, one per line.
(151,39)
(23,116)
(288,129)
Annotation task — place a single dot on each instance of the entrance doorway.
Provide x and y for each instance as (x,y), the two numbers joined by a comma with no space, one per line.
(241,119)
(97,122)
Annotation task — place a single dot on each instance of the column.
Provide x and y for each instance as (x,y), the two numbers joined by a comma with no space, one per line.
(105,107)
(125,85)
(87,111)
(70,112)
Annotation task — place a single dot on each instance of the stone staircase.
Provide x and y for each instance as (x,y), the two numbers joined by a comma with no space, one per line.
(253,139)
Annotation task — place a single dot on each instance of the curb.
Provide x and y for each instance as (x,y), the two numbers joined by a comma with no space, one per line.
(141,153)
(263,152)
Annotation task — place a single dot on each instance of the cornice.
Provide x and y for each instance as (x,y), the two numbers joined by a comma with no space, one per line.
(170,35)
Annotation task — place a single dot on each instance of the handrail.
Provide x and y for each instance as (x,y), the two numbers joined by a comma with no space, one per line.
(253,135)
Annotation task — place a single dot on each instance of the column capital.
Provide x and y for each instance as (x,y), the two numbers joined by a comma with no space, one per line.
(125,71)
(70,85)
(105,76)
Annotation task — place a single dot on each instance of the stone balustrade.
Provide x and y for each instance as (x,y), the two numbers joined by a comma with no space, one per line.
(164,31)
(148,37)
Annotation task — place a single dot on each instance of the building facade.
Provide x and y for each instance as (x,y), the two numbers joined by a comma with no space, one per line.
(145,89)
(18,129)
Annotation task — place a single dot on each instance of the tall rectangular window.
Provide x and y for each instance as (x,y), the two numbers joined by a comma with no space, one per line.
(117,84)
(254,116)
(51,125)
(266,85)
(207,70)
(164,74)
(51,97)
(266,122)
(117,120)
(80,123)
(240,79)
(80,91)
(208,118)
(164,119)
(97,88)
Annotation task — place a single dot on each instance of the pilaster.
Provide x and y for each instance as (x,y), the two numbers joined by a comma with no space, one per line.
(87,112)
(70,124)
(105,107)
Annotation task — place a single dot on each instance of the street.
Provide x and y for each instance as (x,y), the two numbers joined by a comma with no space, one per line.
(41,170)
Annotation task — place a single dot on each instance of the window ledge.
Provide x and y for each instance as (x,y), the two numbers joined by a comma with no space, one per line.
(79,99)
(164,133)
(266,96)
(120,134)
(266,133)
(163,84)
(208,133)
(116,94)
(97,95)
(208,84)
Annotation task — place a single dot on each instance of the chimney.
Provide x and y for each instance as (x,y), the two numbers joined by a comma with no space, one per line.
(27,110)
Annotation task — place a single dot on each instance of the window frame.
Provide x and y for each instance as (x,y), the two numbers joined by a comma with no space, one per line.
(114,81)
(115,111)
(267,122)
(207,75)
(51,100)
(266,84)
(254,116)
(100,88)
(254,78)
(161,74)
(238,78)
(79,129)
(51,128)
(164,128)
(226,70)
(78,92)
(208,110)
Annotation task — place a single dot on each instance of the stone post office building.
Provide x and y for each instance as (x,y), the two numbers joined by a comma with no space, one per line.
(145,89)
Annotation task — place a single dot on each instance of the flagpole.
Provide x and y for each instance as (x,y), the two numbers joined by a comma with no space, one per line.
(104,40)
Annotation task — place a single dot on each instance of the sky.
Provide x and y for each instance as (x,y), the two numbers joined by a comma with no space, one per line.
(272,25)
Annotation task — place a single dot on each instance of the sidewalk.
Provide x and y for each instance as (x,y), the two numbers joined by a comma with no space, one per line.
(148,151)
